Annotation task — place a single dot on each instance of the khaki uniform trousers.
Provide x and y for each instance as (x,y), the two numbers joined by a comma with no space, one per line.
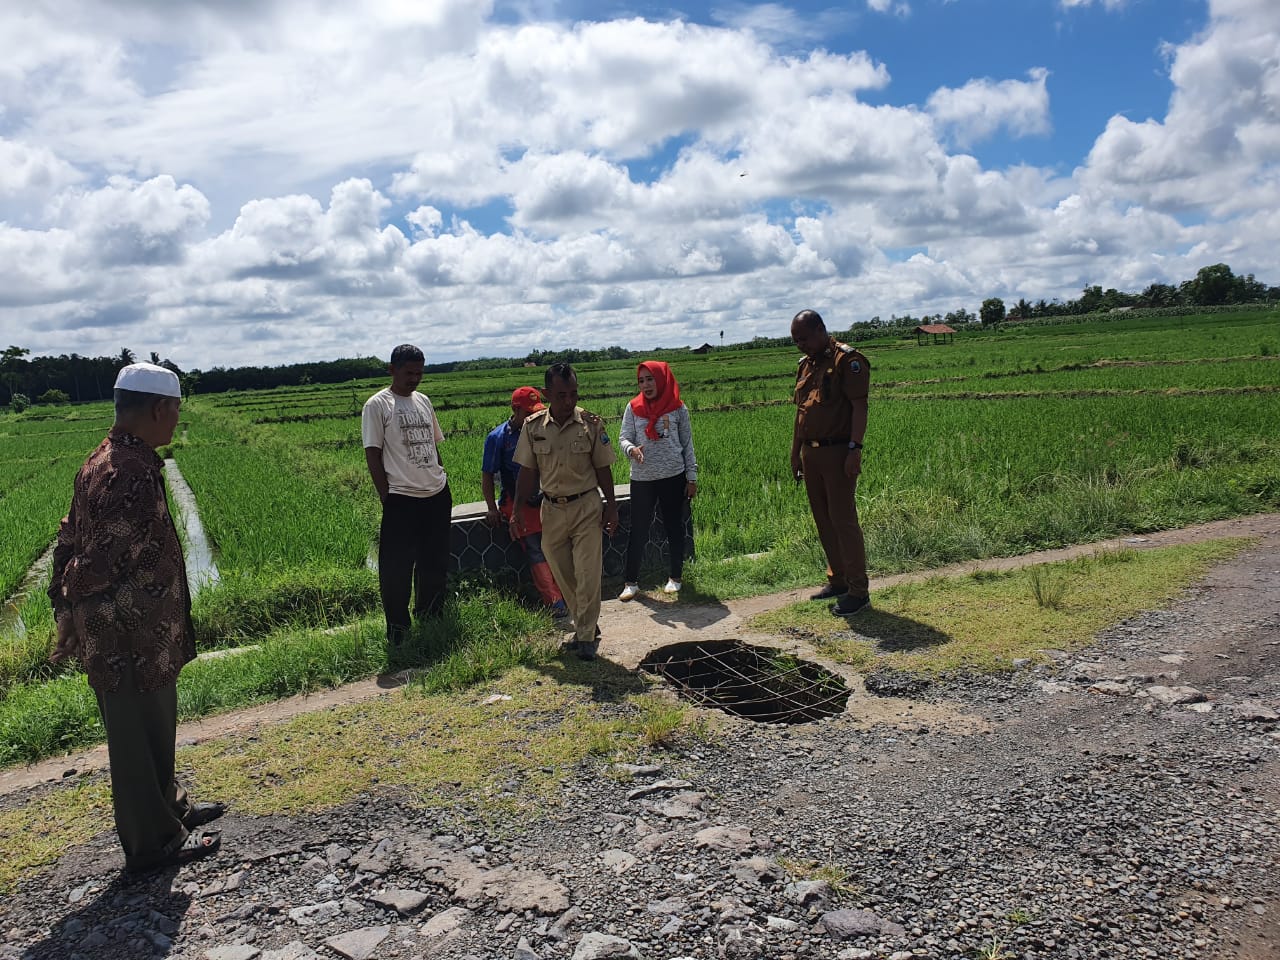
(572,542)
(148,802)
(835,511)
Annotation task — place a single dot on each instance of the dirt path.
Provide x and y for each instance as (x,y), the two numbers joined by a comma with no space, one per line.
(634,629)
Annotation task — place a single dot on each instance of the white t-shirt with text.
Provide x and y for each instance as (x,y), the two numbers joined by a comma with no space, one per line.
(407,432)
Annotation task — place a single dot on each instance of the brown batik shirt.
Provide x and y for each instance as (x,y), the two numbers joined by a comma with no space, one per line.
(118,571)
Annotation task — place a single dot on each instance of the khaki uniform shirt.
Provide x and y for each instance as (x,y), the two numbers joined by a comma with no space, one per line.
(566,457)
(827,388)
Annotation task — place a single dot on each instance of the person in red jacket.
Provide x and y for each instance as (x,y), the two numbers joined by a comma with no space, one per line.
(498,462)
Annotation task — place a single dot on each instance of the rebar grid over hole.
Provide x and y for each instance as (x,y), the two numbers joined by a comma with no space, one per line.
(758,683)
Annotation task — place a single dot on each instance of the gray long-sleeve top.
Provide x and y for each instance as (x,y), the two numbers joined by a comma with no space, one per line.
(670,455)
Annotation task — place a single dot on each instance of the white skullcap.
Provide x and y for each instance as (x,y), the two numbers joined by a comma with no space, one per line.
(148,378)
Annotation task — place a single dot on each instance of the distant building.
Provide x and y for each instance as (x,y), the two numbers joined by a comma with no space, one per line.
(936,332)
(705,348)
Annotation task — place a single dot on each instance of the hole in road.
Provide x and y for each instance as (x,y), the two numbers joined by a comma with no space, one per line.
(758,683)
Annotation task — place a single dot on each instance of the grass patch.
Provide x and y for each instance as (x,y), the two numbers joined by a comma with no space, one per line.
(836,876)
(985,621)
(55,820)
(39,720)
(446,750)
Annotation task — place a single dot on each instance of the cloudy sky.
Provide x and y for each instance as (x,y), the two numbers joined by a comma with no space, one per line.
(263,181)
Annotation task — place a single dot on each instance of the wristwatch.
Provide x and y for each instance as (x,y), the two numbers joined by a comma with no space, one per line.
(854,445)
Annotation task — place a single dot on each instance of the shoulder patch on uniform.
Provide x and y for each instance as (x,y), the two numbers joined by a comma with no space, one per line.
(604,438)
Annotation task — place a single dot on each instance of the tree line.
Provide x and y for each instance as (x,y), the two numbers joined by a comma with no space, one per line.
(1212,286)
(73,378)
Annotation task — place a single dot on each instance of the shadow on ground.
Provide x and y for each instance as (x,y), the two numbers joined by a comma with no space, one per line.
(894,634)
(609,681)
(692,611)
(130,917)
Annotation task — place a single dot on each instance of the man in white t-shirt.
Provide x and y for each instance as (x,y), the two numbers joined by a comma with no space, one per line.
(401,438)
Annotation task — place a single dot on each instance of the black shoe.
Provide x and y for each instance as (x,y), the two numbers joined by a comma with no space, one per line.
(829,592)
(850,604)
(587,651)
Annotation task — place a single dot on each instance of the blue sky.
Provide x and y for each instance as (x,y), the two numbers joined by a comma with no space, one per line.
(293,179)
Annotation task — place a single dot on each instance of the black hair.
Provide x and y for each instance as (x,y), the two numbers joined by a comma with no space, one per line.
(406,353)
(126,401)
(559,369)
(810,319)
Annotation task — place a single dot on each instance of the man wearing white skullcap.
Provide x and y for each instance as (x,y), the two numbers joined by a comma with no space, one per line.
(120,598)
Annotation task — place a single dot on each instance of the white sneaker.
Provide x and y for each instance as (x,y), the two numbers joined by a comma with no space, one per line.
(672,586)
(629,592)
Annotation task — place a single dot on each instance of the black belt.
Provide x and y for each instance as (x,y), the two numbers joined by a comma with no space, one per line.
(569,499)
(829,442)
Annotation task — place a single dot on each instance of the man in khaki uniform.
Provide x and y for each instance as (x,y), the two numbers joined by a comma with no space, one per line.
(832,382)
(566,450)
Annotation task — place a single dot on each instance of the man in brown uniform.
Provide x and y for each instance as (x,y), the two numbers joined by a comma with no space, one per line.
(120,599)
(567,451)
(826,452)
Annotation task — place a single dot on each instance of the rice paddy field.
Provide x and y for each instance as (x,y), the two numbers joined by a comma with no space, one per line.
(998,443)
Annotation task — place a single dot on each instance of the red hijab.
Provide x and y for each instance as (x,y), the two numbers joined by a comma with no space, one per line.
(668,397)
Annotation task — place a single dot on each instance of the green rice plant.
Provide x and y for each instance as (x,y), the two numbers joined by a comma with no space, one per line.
(247,605)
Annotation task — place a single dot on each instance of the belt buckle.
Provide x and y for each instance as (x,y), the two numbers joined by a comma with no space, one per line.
(814,443)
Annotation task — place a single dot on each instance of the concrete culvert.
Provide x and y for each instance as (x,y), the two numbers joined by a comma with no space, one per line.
(758,683)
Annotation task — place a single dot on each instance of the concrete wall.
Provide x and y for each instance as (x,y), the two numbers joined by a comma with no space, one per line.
(474,545)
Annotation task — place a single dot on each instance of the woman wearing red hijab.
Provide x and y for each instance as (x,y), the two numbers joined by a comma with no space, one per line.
(657,439)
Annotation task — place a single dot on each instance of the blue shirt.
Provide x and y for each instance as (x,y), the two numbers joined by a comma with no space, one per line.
(499,451)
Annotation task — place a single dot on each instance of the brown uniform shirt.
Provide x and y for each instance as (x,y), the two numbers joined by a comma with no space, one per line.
(118,571)
(827,390)
(566,457)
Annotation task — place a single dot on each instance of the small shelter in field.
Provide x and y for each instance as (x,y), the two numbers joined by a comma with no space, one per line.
(937,332)
(705,348)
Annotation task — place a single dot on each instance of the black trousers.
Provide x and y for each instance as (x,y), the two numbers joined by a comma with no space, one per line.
(413,556)
(148,802)
(668,494)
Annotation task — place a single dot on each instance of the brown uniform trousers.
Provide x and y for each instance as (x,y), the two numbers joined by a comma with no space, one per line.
(829,389)
(835,512)
(566,457)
